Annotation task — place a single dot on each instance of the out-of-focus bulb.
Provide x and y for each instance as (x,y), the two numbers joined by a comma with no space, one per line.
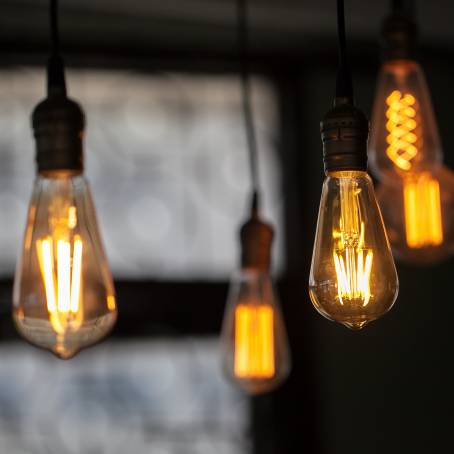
(255,349)
(404,136)
(406,156)
(353,279)
(419,215)
(254,341)
(63,292)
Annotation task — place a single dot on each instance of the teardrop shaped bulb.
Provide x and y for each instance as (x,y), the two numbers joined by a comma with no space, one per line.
(404,136)
(255,348)
(353,279)
(64,297)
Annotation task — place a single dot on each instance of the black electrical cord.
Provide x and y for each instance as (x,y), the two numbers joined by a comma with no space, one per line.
(397,5)
(56,84)
(403,7)
(246,95)
(54,32)
(344,86)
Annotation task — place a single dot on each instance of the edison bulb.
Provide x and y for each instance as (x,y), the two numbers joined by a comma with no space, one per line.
(255,347)
(405,151)
(63,291)
(353,278)
(404,136)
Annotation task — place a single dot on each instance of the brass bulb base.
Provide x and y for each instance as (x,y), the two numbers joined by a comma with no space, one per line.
(344,131)
(256,241)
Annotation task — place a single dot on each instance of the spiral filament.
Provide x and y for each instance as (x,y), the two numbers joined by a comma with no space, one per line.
(422,205)
(352,260)
(254,341)
(401,127)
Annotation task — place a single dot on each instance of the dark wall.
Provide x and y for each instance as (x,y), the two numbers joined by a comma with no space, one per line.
(386,389)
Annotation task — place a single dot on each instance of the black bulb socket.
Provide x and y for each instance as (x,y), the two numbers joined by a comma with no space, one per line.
(58,125)
(344,131)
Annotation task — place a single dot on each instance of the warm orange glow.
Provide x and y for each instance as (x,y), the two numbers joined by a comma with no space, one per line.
(401,126)
(352,260)
(254,341)
(60,262)
(423,221)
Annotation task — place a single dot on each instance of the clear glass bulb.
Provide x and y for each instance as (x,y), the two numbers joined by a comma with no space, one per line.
(64,297)
(254,341)
(404,135)
(419,215)
(353,279)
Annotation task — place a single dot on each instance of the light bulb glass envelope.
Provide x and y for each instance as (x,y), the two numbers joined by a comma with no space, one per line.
(64,296)
(353,279)
(255,347)
(405,154)
(419,214)
(404,135)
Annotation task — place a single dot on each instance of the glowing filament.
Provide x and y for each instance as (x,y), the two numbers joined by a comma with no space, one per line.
(62,281)
(401,127)
(254,341)
(352,260)
(423,222)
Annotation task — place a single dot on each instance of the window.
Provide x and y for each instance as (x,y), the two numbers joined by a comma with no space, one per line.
(167,161)
(160,397)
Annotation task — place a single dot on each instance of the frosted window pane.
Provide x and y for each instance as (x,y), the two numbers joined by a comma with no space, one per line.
(167,162)
(160,397)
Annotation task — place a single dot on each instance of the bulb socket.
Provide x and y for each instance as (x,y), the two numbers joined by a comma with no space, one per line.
(58,125)
(344,131)
(399,37)
(256,240)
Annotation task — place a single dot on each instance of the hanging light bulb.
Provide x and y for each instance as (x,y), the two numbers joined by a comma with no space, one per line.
(406,155)
(353,279)
(64,297)
(255,349)
(254,342)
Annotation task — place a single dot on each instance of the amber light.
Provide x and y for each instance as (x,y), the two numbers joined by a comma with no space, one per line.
(352,261)
(353,279)
(63,286)
(254,341)
(401,127)
(423,220)
(64,298)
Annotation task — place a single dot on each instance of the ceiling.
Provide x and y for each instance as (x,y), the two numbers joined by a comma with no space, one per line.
(142,26)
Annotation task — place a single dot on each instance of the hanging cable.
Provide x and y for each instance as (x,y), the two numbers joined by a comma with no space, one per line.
(243,50)
(344,86)
(404,7)
(54,32)
(56,84)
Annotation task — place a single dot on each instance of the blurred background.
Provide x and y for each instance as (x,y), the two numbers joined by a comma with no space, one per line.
(166,157)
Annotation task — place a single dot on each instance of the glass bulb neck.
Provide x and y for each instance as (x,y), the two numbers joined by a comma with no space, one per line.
(344,131)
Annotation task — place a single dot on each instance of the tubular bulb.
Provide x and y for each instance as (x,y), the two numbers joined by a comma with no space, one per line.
(405,153)
(255,347)
(353,279)
(63,292)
